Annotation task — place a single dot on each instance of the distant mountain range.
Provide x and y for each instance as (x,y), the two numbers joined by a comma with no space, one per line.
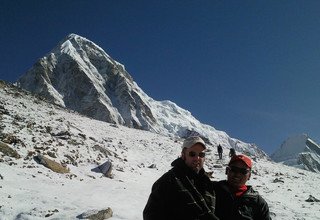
(299,151)
(81,76)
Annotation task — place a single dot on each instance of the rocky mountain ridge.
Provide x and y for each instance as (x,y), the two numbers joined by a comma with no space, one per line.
(299,151)
(79,75)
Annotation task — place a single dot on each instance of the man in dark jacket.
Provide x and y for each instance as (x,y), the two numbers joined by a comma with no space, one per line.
(234,199)
(185,192)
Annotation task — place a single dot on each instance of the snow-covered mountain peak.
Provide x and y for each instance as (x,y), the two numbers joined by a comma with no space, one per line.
(79,75)
(293,145)
(78,41)
(299,151)
(76,45)
(75,36)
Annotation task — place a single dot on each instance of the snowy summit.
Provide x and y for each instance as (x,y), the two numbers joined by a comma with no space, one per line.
(299,151)
(79,75)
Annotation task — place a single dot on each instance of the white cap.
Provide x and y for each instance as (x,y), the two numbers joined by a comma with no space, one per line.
(192,140)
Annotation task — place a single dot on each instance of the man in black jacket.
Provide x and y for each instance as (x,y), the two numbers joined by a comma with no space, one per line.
(185,192)
(234,199)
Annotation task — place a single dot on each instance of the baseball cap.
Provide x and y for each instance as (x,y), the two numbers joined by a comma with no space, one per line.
(192,140)
(242,158)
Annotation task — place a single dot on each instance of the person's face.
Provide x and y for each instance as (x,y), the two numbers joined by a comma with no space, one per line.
(238,174)
(194,157)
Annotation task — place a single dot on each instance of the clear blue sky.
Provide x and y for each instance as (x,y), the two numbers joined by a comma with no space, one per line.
(250,68)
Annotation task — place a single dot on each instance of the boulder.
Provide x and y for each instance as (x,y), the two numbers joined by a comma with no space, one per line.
(51,164)
(104,168)
(312,199)
(96,214)
(8,151)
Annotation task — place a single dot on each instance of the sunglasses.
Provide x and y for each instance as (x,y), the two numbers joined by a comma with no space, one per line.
(243,171)
(194,154)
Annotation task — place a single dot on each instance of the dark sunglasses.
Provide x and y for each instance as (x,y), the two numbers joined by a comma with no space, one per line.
(243,171)
(194,154)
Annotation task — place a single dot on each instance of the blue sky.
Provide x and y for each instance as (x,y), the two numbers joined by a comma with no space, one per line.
(250,68)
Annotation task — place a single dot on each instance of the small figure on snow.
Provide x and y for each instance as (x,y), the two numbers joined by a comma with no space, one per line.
(220,151)
(232,152)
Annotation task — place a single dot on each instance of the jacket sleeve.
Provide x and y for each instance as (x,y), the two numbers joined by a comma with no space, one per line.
(209,216)
(155,207)
(264,209)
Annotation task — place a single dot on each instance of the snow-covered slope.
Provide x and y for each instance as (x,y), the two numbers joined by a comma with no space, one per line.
(299,151)
(81,76)
(28,190)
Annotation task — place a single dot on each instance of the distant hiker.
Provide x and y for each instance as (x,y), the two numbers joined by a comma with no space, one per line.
(184,192)
(236,200)
(232,152)
(220,151)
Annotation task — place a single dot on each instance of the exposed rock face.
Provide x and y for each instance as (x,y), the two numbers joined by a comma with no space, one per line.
(309,161)
(79,75)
